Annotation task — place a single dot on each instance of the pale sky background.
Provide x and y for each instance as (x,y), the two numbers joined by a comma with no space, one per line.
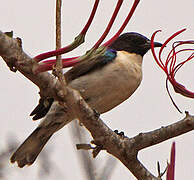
(148,109)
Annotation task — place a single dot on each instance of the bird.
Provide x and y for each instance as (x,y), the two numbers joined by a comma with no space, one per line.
(103,82)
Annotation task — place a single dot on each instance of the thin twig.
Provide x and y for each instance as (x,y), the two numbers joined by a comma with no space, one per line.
(58,32)
(57,70)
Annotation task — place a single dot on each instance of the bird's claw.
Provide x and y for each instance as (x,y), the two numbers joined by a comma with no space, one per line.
(119,133)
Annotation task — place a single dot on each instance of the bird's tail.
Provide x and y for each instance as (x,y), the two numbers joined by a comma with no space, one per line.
(27,153)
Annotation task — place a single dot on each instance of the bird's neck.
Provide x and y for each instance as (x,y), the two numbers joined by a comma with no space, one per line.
(134,58)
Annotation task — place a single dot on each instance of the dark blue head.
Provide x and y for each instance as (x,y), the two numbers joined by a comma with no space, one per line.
(133,43)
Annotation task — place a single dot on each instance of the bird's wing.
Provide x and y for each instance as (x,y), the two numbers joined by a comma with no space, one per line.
(89,65)
(42,108)
(78,70)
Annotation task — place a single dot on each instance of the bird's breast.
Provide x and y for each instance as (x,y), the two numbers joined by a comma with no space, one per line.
(107,87)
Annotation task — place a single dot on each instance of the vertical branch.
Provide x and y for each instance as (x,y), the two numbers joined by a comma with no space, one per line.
(58,32)
(57,70)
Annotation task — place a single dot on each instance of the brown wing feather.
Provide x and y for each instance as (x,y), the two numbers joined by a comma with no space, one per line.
(83,67)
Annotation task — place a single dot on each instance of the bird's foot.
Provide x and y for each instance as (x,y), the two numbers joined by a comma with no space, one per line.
(119,133)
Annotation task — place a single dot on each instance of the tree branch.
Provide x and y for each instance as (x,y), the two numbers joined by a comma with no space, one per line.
(58,69)
(157,136)
(16,59)
(123,148)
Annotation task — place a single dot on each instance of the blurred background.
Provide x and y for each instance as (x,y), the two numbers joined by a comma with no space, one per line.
(149,108)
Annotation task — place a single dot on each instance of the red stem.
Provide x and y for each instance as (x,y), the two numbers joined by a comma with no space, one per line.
(123,25)
(51,61)
(85,29)
(154,53)
(172,63)
(67,62)
(118,6)
(169,39)
(171,166)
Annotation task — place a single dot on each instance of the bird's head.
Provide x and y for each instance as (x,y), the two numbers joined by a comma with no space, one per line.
(133,43)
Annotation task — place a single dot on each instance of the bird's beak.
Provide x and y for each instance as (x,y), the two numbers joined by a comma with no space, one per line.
(148,44)
(157,44)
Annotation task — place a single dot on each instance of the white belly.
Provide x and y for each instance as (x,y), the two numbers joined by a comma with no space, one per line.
(109,86)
